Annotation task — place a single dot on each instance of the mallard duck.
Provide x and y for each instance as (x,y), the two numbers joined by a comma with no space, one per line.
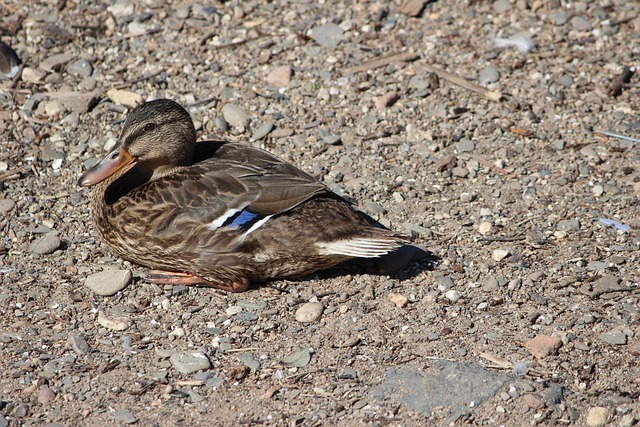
(239,216)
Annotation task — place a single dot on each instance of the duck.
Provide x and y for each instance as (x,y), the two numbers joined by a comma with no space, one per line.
(219,214)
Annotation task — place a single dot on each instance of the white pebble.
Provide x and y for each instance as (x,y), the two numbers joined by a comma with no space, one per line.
(309,312)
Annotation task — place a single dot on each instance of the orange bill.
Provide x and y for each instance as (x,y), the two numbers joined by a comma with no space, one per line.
(112,163)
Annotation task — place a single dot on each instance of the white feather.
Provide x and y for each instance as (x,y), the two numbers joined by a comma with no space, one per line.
(360,247)
(217,223)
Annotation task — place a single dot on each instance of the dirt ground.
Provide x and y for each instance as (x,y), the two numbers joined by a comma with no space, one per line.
(486,130)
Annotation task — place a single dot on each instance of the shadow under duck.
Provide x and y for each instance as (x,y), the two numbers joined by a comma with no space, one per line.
(238,216)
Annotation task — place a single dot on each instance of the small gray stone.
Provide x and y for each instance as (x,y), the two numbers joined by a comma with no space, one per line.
(309,312)
(465,146)
(88,84)
(78,344)
(4,422)
(190,362)
(80,67)
(262,131)
(501,6)
(125,417)
(559,18)
(565,80)
(6,205)
(222,124)
(491,284)
(460,172)
(108,282)
(444,282)
(56,62)
(580,23)
(328,35)
(45,245)
(235,116)
(489,74)
(614,337)
(568,225)
(331,139)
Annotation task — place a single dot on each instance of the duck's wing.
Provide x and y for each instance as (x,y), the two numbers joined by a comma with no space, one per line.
(218,201)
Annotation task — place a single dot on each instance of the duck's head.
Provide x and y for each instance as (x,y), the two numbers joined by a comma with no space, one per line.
(157,136)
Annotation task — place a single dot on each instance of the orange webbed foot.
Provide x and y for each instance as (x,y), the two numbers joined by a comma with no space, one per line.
(162,277)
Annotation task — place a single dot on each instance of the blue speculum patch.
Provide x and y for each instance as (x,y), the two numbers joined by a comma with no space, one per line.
(242,218)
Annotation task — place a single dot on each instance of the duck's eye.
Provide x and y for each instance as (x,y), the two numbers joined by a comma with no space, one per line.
(149,127)
(115,155)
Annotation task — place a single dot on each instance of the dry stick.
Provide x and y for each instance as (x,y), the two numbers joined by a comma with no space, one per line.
(494,95)
(377,63)
(615,135)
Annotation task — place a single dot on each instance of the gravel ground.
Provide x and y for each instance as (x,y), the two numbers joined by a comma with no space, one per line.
(475,126)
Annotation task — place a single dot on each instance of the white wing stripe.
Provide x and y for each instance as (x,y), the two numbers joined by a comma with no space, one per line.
(217,223)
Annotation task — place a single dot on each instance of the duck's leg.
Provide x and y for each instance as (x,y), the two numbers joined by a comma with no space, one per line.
(162,277)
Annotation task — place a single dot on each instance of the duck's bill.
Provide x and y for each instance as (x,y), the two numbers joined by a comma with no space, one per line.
(112,163)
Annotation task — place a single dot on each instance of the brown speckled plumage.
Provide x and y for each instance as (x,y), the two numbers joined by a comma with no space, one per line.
(171,212)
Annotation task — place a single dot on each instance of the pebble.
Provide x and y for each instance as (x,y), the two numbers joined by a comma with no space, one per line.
(491,284)
(543,345)
(328,35)
(45,245)
(444,282)
(488,74)
(56,62)
(533,401)
(125,97)
(299,358)
(263,130)
(460,172)
(6,206)
(485,228)
(280,76)
(598,416)
(565,80)
(598,190)
(614,337)
(452,295)
(53,108)
(501,6)
(78,344)
(33,75)
(386,100)
(399,300)
(190,362)
(500,254)
(45,395)
(125,417)
(580,23)
(113,323)
(235,116)
(309,312)
(80,67)
(121,8)
(108,282)
(568,225)
(465,146)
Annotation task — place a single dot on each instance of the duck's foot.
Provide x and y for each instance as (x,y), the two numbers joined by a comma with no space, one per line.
(162,277)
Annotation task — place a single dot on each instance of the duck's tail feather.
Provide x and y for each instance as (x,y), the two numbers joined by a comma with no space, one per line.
(361,247)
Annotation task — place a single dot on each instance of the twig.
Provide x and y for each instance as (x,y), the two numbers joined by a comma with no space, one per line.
(499,239)
(138,80)
(615,135)
(488,164)
(240,350)
(494,95)
(146,33)
(377,63)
